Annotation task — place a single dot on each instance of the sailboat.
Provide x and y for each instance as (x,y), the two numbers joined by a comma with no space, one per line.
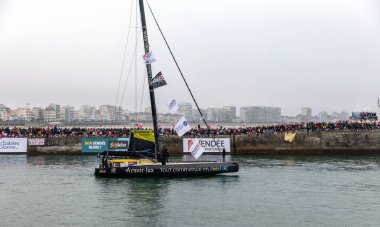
(145,143)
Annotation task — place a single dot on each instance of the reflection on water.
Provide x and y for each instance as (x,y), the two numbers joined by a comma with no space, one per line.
(145,200)
(268,190)
(329,163)
(138,199)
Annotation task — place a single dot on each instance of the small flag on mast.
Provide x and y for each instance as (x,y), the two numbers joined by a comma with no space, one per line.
(158,81)
(173,106)
(149,58)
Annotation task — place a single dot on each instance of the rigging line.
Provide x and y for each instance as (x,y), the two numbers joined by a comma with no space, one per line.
(179,69)
(130,68)
(125,53)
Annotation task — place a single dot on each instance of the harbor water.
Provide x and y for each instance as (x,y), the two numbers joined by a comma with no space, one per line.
(267,191)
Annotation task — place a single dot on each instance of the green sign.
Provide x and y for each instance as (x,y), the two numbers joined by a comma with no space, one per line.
(97,145)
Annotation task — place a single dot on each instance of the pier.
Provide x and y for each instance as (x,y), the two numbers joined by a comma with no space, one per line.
(312,143)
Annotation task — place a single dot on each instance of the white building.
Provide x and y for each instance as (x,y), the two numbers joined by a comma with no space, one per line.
(86,113)
(306,113)
(197,117)
(260,114)
(273,115)
(218,115)
(140,117)
(4,115)
(186,109)
(4,112)
(38,113)
(50,114)
(110,113)
(68,113)
(57,109)
(22,114)
(231,110)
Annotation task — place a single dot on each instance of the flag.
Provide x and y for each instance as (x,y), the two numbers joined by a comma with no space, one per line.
(289,137)
(149,58)
(173,106)
(138,125)
(196,149)
(182,126)
(158,81)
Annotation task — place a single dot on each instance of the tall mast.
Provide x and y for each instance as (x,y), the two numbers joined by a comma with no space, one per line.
(149,72)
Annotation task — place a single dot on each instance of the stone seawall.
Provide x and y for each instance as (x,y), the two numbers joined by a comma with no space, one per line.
(310,143)
(62,145)
(316,143)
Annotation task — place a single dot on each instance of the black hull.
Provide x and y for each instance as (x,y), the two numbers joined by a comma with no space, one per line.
(170,169)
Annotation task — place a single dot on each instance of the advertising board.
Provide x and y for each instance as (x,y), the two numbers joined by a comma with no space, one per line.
(118,144)
(98,145)
(13,145)
(36,141)
(211,145)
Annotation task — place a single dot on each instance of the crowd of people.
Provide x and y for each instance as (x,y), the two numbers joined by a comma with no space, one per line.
(194,132)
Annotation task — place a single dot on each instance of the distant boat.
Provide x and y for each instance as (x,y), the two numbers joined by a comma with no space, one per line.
(144,144)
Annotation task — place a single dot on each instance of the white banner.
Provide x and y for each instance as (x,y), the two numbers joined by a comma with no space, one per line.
(36,142)
(210,145)
(182,126)
(13,145)
(173,106)
(196,149)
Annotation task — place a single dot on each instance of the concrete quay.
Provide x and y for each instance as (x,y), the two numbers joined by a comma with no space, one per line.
(312,143)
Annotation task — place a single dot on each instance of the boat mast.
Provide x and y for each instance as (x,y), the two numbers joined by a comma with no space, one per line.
(149,72)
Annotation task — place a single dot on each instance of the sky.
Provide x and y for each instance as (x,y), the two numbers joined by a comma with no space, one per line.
(323,54)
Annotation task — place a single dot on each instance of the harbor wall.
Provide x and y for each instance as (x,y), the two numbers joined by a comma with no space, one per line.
(312,143)
(61,145)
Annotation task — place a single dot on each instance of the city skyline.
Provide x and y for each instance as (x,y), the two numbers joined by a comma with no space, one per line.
(107,113)
(287,54)
(359,108)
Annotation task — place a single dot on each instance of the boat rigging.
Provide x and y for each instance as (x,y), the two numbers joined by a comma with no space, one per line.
(144,142)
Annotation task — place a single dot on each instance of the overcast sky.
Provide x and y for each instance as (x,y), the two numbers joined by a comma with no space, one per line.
(324,54)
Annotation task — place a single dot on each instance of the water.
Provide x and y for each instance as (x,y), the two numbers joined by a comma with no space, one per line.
(268,191)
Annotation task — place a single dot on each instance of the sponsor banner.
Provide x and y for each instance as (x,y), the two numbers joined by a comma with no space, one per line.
(94,144)
(209,144)
(13,145)
(97,145)
(36,142)
(118,144)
